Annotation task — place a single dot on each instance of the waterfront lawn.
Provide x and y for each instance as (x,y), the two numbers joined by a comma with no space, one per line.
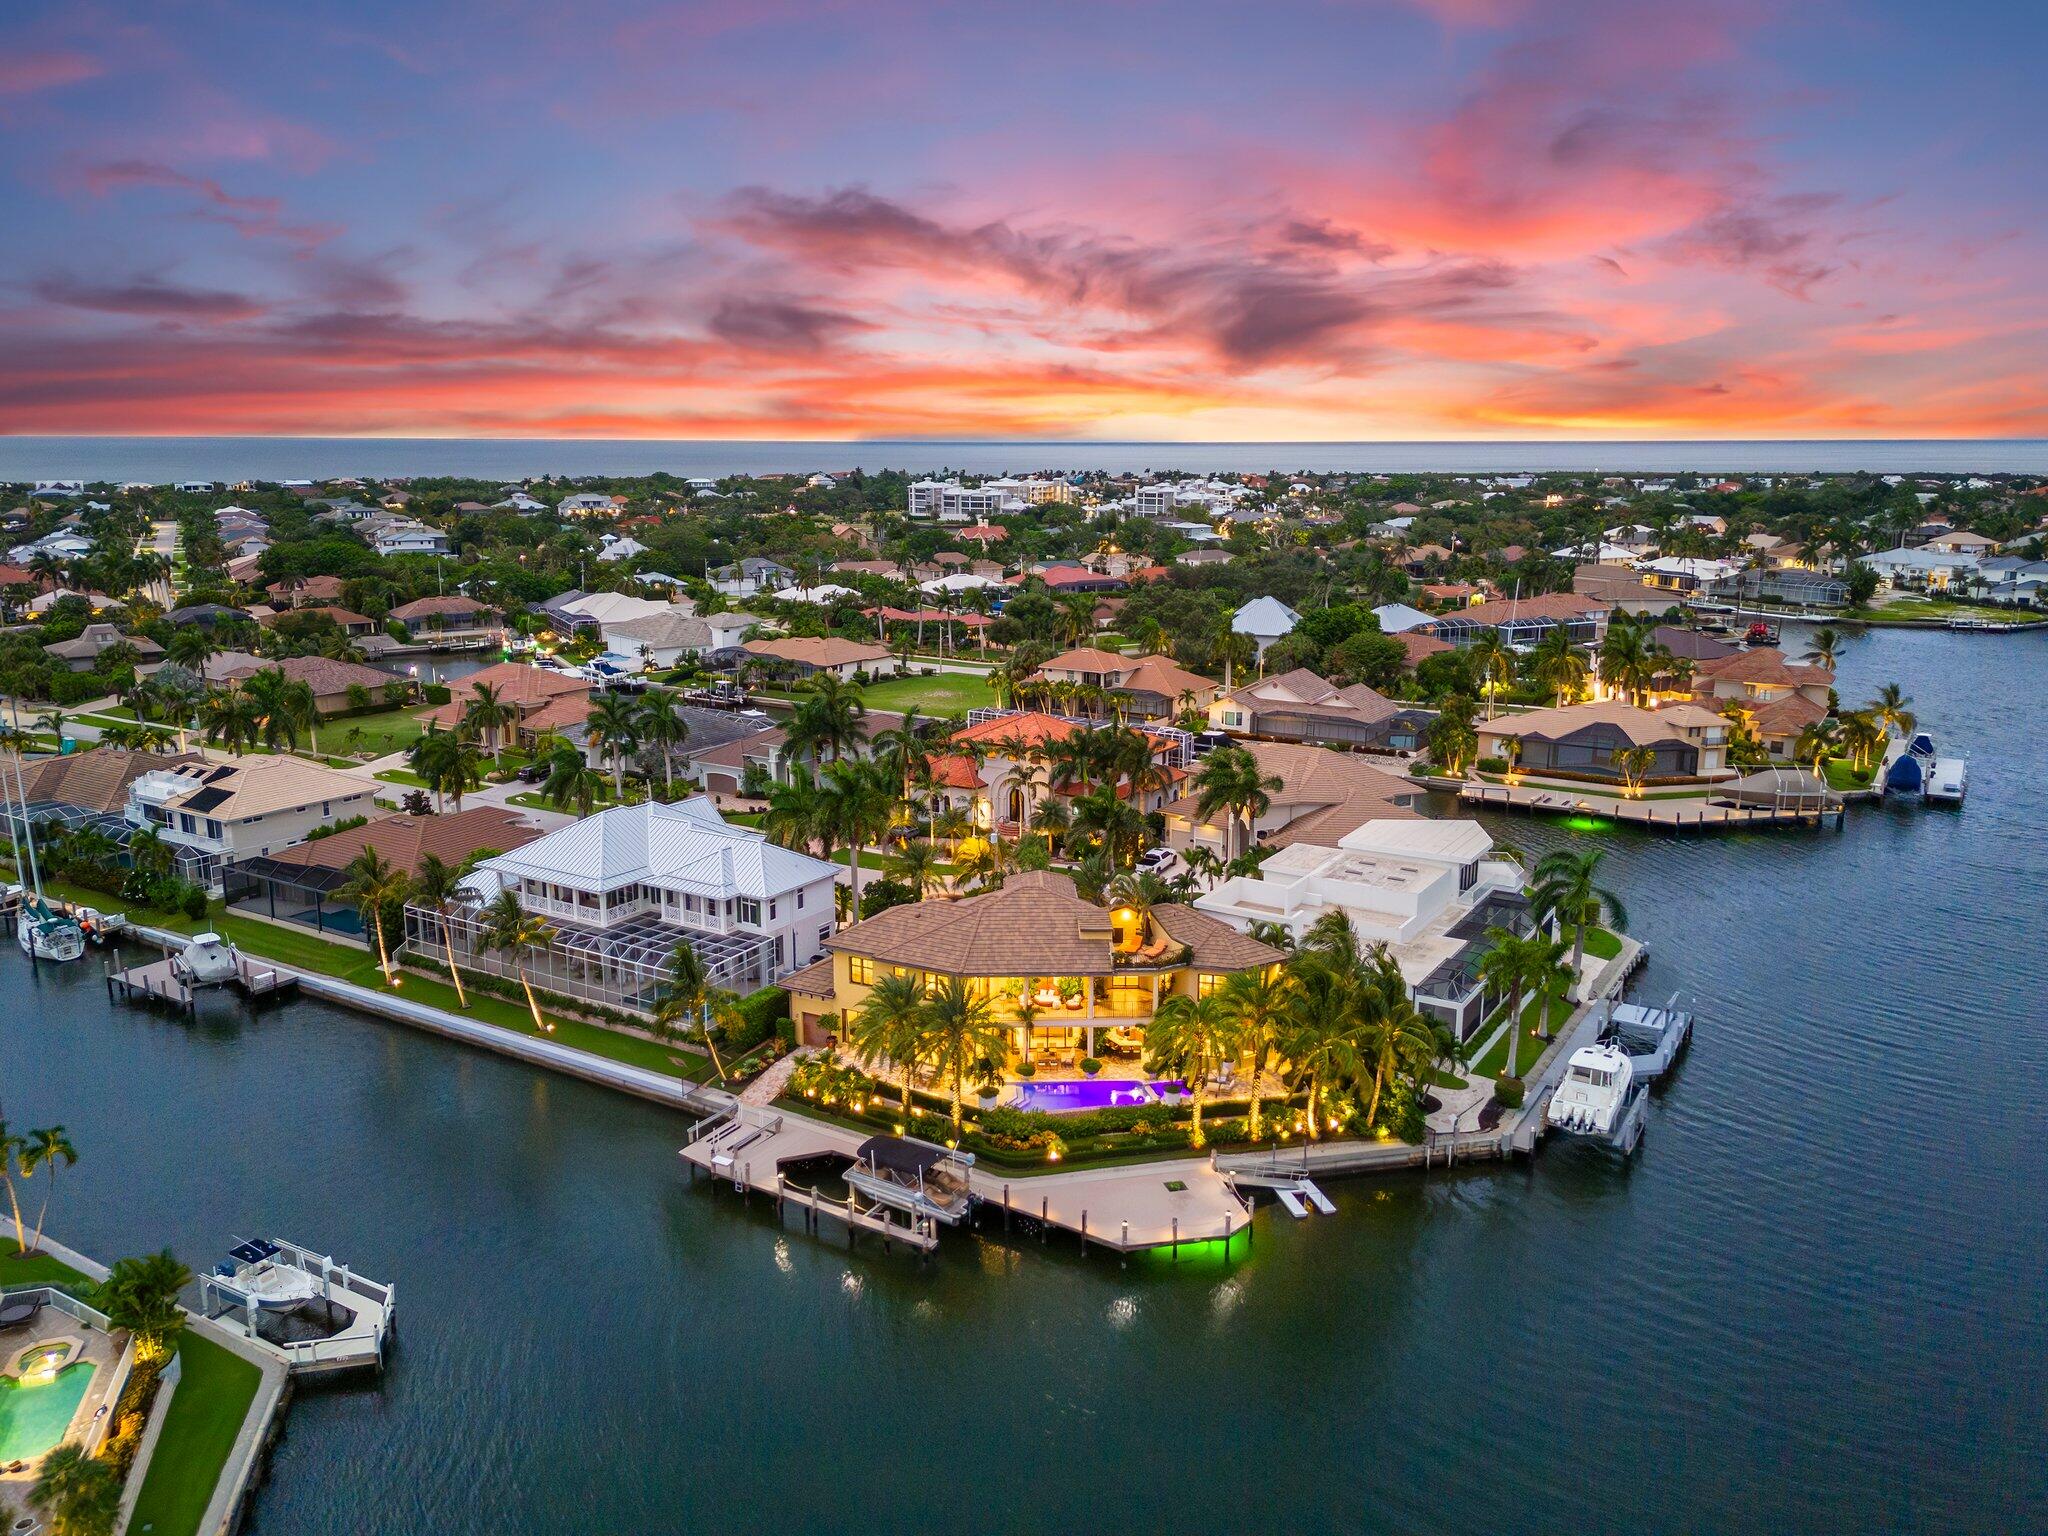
(403,776)
(390,730)
(1602,943)
(1843,775)
(307,951)
(37,1269)
(1533,1045)
(949,693)
(212,1398)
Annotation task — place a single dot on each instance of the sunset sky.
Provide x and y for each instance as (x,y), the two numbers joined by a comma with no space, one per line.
(1332,219)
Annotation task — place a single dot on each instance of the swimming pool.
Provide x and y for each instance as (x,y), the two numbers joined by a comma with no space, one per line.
(1092,1093)
(33,1418)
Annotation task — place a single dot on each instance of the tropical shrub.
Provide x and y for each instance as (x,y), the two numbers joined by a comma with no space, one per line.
(1507,1091)
(1493,765)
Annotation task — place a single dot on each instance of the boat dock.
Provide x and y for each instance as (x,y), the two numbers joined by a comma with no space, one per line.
(346,1327)
(165,981)
(1692,814)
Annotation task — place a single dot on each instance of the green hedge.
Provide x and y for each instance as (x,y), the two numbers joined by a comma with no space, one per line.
(761,1014)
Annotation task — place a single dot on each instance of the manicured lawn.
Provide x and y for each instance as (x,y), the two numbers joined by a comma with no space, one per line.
(402,776)
(1842,774)
(308,951)
(214,1391)
(949,693)
(1495,1061)
(391,730)
(37,1269)
(1602,943)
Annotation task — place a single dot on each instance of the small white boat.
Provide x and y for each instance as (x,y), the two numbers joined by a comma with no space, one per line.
(255,1275)
(208,961)
(1594,1093)
(1948,780)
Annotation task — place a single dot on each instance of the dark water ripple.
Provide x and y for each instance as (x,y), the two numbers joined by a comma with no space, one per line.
(1814,1302)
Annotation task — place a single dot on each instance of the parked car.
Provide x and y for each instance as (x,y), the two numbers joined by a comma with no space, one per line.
(1155,861)
(532,773)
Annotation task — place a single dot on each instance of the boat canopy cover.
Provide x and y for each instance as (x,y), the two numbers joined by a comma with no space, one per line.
(901,1154)
(254,1251)
(1779,789)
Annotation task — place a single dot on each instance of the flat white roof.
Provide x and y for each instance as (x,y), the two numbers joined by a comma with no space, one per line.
(1449,842)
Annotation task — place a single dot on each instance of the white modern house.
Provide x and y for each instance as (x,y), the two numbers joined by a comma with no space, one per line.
(1426,889)
(622,889)
(244,809)
(1265,619)
(408,538)
(750,577)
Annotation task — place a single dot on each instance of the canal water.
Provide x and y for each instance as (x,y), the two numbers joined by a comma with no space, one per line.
(1815,1301)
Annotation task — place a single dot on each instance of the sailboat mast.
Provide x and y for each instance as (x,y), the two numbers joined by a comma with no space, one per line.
(28,832)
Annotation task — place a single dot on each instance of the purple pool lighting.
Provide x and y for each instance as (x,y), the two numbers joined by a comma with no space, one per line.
(1093,1093)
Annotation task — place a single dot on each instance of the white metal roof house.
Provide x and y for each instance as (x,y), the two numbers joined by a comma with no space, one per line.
(1265,619)
(630,883)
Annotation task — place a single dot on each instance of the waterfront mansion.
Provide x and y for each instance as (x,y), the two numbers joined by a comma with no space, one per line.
(621,889)
(1427,889)
(1071,979)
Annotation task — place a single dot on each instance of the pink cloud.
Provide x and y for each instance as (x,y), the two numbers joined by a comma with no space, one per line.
(23,73)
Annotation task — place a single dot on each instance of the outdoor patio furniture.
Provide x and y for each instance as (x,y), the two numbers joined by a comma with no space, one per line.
(19,1310)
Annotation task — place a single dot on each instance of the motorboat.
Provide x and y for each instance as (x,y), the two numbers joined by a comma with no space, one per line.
(256,1275)
(1907,763)
(1761,633)
(1948,780)
(1595,1091)
(208,961)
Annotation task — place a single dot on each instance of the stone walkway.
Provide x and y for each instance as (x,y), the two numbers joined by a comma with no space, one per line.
(767,1088)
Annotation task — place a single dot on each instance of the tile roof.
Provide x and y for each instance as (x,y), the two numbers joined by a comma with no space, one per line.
(427,607)
(259,786)
(517,684)
(1764,665)
(1548,605)
(1303,692)
(1418,645)
(818,653)
(1035,925)
(96,779)
(1213,945)
(323,674)
(1785,716)
(402,841)
(814,980)
(1644,727)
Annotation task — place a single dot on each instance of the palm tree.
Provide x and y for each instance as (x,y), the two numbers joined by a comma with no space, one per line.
(1511,964)
(1398,1041)
(1231,781)
(690,998)
(826,722)
(1824,648)
(1894,710)
(890,1025)
(191,647)
(372,883)
(11,1148)
(1558,664)
(796,815)
(1255,1003)
(1635,764)
(141,1295)
(903,748)
(858,803)
(958,1032)
(1817,743)
(232,719)
(1567,892)
(1863,737)
(1321,1038)
(81,1494)
(571,780)
(1450,737)
(917,866)
(614,729)
(45,1148)
(509,926)
(438,886)
(1191,1038)
(1630,660)
(663,728)
(1112,822)
(1493,664)
(490,714)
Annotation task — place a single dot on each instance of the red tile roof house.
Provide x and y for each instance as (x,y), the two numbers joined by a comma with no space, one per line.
(1148,687)
(329,679)
(527,689)
(1000,786)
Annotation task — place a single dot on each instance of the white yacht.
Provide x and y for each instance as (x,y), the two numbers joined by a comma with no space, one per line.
(256,1276)
(1595,1091)
(42,932)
